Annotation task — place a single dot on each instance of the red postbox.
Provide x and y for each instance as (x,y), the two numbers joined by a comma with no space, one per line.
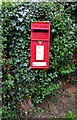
(39,46)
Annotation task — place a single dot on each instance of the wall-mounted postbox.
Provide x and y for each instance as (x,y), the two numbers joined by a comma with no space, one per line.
(39,46)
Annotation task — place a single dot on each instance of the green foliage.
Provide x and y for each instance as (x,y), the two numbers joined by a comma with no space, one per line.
(9,114)
(39,109)
(19,80)
(72,115)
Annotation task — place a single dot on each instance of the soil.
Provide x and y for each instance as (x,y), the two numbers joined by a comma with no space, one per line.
(57,105)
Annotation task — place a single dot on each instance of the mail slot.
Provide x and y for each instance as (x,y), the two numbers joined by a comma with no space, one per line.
(39,45)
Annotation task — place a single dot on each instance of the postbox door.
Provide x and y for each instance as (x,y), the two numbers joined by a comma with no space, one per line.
(39,54)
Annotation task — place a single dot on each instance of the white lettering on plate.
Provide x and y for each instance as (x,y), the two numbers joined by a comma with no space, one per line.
(39,63)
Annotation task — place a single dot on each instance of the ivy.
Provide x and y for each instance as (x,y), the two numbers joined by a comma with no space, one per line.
(19,80)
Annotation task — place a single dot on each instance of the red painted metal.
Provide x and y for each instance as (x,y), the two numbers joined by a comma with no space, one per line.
(40,40)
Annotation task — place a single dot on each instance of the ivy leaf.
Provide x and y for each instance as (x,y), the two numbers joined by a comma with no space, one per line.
(22,28)
(20,19)
(21,12)
(71,32)
(14,23)
(25,64)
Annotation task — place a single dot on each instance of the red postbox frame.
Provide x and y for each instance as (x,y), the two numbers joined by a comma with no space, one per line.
(40,31)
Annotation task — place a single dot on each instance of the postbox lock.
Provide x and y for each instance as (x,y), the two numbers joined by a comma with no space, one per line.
(40,42)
